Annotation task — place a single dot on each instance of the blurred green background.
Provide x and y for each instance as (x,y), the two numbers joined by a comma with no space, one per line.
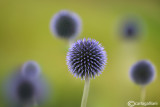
(25,35)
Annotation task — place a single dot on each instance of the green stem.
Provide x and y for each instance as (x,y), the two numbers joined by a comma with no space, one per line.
(85,92)
(143,93)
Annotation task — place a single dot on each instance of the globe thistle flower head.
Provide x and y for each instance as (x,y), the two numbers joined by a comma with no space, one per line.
(30,69)
(142,72)
(86,58)
(131,28)
(66,24)
(23,89)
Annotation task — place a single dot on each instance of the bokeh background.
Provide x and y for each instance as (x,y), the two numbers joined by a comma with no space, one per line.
(25,35)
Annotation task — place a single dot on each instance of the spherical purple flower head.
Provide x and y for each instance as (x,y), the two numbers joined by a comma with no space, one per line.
(142,72)
(86,58)
(31,69)
(25,89)
(131,29)
(66,24)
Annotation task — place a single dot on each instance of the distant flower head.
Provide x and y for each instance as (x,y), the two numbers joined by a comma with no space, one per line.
(86,58)
(142,72)
(25,90)
(131,28)
(31,69)
(25,87)
(66,24)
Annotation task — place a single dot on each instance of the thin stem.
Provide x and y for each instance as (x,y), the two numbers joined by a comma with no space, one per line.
(85,92)
(143,93)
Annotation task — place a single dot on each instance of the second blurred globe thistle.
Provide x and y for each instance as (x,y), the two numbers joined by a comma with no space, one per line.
(26,90)
(66,24)
(131,27)
(31,69)
(142,73)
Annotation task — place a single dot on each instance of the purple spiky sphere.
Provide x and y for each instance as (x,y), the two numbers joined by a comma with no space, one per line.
(86,58)
(66,24)
(142,73)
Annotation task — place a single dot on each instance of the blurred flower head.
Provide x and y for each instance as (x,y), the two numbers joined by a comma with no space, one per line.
(142,73)
(31,69)
(130,28)
(66,24)
(25,87)
(86,58)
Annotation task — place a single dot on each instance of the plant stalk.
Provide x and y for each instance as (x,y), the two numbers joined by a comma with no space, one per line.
(143,93)
(85,92)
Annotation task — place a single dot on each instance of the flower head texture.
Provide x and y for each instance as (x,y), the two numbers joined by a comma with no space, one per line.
(142,72)
(86,58)
(66,24)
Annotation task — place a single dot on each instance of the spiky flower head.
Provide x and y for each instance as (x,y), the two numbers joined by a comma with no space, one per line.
(142,72)
(66,24)
(86,58)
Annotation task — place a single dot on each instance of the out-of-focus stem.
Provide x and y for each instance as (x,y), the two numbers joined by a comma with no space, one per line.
(143,93)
